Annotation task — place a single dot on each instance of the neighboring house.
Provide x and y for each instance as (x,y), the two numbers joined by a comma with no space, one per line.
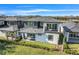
(71,31)
(8,25)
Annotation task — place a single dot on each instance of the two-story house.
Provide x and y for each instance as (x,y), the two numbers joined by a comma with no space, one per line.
(37,29)
(40,29)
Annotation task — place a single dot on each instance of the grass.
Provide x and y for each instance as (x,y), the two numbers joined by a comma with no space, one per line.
(27,48)
(3,38)
(8,47)
(74,46)
(72,49)
(22,50)
(33,44)
(40,45)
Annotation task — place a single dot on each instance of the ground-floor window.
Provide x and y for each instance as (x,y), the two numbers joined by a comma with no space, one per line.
(50,37)
(75,35)
(39,34)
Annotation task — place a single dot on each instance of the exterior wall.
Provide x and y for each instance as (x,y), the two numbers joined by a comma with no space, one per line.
(55,38)
(41,37)
(71,40)
(44,37)
(60,28)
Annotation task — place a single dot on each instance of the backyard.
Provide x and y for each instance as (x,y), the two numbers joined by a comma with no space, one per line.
(27,48)
(10,47)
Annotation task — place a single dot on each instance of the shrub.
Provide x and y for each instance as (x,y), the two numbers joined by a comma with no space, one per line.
(34,44)
(2,48)
(38,45)
(74,52)
(69,51)
(66,46)
(61,39)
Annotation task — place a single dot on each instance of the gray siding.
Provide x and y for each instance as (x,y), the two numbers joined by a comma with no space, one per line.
(73,40)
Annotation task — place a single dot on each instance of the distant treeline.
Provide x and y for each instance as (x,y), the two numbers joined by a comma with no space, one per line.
(58,17)
(55,17)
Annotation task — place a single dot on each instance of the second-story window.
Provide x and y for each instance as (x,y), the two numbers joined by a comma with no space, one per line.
(52,26)
(1,22)
(35,23)
(31,24)
(40,24)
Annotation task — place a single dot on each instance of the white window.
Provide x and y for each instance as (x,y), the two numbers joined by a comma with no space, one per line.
(74,35)
(51,26)
(50,37)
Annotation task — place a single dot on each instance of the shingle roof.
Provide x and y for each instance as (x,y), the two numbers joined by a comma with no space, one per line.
(2,18)
(25,18)
(71,26)
(43,19)
(75,28)
(11,18)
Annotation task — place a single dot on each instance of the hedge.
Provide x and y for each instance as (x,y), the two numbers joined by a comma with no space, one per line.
(34,44)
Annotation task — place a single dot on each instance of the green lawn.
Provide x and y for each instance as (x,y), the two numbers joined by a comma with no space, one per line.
(23,50)
(27,48)
(71,49)
(74,47)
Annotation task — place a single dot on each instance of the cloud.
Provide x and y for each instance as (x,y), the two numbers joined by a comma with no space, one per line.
(27,12)
(34,11)
(43,10)
(2,12)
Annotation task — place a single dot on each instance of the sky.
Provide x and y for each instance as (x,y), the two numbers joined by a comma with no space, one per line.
(40,9)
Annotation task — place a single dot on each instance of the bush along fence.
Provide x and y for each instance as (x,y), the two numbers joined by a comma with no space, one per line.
(33,44)
(41,45)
